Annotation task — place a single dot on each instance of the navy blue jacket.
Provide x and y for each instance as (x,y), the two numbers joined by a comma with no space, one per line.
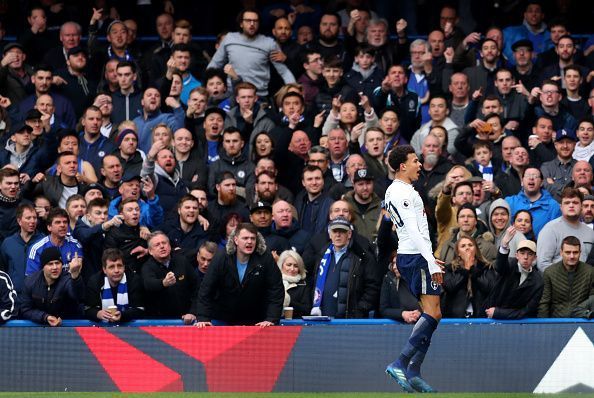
(63,113)
(189,241)
(13,257)
(94,153)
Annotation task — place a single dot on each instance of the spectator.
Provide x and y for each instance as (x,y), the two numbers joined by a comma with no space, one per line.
(468,280)
(549,95)
(482,76)
(170,282)
(185,231)
(233,159)
(335,295)
(93,145)
(52,293)
(226,201)
(267,189)
(249,53)
(70,35)
(519,285)
(525,72)
(438,112)
(536,199)
(12,259)
(112,173)
(566,51)
(74,82)
(15,74)
(114,286)
(458,88)
(366,204)
(533,28)
(312,203)
(192,168)
(57,226)
(557,172)
(90,232)
(298,294)
(566,283)
(551,236)
(286,226)
(573,84)
(584,148)
(469,225)
(21,152)
(8,298)
(587,216)
(396,300)
(581,176)
(498,220)
(246,297)
(128,236)
(68,142)
(328,44)
(128,97)
(365,75)
(448,203)
(510,181)
(540,143)
(9,201)
(312,63)
(151,212)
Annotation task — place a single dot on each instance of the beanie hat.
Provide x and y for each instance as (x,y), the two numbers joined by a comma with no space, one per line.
(50,254)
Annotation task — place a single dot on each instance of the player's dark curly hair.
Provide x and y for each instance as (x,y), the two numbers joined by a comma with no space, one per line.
(399,155)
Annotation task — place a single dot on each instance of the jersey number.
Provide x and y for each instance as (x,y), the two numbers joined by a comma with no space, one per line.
(395,216)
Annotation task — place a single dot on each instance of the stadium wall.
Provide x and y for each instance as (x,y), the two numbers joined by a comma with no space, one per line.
(479,356)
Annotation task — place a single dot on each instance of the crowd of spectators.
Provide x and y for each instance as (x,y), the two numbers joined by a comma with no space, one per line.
(166,180)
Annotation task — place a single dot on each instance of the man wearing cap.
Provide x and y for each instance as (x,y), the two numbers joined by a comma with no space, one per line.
(151,212)
(525,72)
(130,157)
(53,293)
(557,172)
(533,28)
(553,233)
(519,285)
(93,145)
(74,82)
(243,284)
(567,283)
(261,217)
(20,152)
(345,284)
(15,75)
(366,203)
(58,237)
(587,216)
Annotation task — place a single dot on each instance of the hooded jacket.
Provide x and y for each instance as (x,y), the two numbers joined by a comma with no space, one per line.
(258,297)
(26,162)
(170,188)
(241,167)
(498,203)
(261,123)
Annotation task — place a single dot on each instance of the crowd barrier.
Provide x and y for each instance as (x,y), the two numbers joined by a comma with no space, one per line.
(478,355)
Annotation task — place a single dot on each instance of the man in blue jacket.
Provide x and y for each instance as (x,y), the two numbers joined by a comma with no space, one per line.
(151,212)
(534,198)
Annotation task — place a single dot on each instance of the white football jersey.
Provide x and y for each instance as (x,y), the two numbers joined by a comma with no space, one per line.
(406,209)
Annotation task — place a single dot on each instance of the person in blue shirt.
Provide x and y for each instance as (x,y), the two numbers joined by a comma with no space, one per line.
(57,226)
(93,145)
(532,28)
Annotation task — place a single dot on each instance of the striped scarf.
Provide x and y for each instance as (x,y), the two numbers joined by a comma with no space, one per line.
(107,295)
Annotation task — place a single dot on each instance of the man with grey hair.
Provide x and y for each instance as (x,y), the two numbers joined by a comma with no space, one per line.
(386,53)
(170,282)
(70,34)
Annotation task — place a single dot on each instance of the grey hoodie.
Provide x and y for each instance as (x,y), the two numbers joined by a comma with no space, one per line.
(17,159)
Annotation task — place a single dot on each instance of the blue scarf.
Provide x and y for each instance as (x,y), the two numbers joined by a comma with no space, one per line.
(107,296)
(321,280)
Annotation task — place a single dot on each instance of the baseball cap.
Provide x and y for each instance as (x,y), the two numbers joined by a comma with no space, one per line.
(362,175)
(339,223)
(89,187)
(527,244)
(130,177)
(12,45)
(522,43)
(21,127)
(564,133)
(33,114)
(50,254)
(222,176)
(260,205)
(475,179)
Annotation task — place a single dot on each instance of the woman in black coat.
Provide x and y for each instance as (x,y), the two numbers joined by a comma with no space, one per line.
(467,281)
(297,291)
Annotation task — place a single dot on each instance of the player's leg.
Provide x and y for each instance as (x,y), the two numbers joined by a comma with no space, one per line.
(429,321)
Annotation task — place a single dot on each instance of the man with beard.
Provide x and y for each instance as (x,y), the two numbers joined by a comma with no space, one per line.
(250,53)
(288,53)
(63,110)
(151,212)
(386,54)
(170,282)
(434,167)
(482,75)
(57,226)
(261,217)
(525,71)
(536,199)
(243,285)
(160,166)
(127,236)
(284,225)
(226,201)
(130,157)
(552,234)
(366,204)
(328,45)
(312,203)
(267,189)
(233,159)
(74,82)
(566,50)
(152,116)
(587,216)
(93,145)
(184,231)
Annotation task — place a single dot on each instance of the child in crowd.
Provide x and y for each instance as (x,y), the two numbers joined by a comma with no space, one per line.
(480,164)
(365,75)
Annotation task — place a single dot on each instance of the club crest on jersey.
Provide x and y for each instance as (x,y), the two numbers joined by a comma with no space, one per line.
(406,203)
(434,285)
